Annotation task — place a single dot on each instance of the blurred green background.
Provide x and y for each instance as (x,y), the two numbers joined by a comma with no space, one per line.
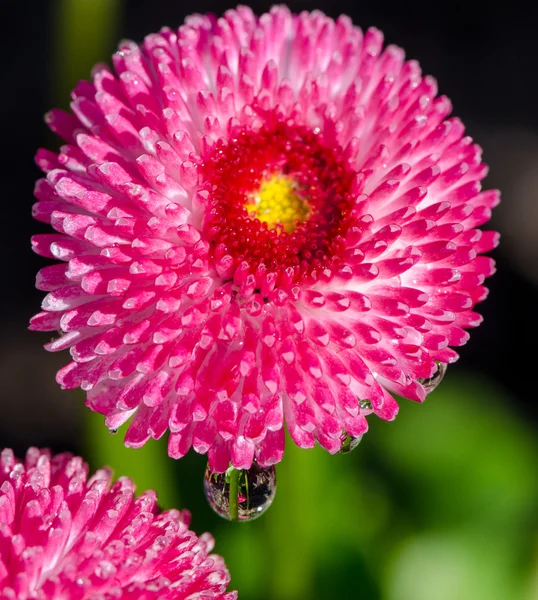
(439,505)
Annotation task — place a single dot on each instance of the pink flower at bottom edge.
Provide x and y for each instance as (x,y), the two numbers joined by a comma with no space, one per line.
(262,220)
(66,536)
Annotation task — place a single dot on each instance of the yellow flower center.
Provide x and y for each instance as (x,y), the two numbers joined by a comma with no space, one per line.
(278,203)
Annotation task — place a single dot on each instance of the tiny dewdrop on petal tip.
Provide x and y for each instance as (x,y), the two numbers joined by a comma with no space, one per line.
(259,221)
(349,443)
(430,383)
(65,534)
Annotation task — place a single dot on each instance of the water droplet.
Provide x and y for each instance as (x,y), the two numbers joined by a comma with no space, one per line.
(113,431)
(365,405)
(240,495)
(349,443)
(430,383)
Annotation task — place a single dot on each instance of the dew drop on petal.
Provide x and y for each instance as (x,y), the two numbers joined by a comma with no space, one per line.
(430,383)
(365,406)
(349,443)
(113,431)
(254,490)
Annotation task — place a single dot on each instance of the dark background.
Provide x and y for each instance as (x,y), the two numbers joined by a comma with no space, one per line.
(485,58)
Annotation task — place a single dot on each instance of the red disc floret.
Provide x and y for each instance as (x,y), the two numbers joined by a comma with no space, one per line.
(323,177)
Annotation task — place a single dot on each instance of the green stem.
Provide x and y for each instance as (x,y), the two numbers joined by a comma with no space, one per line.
(234,494)
(84,32)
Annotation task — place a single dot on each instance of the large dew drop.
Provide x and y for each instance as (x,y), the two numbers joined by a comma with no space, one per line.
(240,495)
(430,383)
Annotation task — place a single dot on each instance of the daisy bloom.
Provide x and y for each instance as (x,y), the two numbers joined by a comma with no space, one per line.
(261,220)
(66,536)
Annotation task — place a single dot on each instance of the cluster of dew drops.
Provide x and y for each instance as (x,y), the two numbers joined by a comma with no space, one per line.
(247,494)
(244,495)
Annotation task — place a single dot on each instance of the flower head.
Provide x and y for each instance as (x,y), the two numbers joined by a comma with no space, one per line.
(262,219)
(64,535)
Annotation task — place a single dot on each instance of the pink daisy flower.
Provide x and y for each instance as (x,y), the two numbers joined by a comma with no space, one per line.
(64,535)
(261,220)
